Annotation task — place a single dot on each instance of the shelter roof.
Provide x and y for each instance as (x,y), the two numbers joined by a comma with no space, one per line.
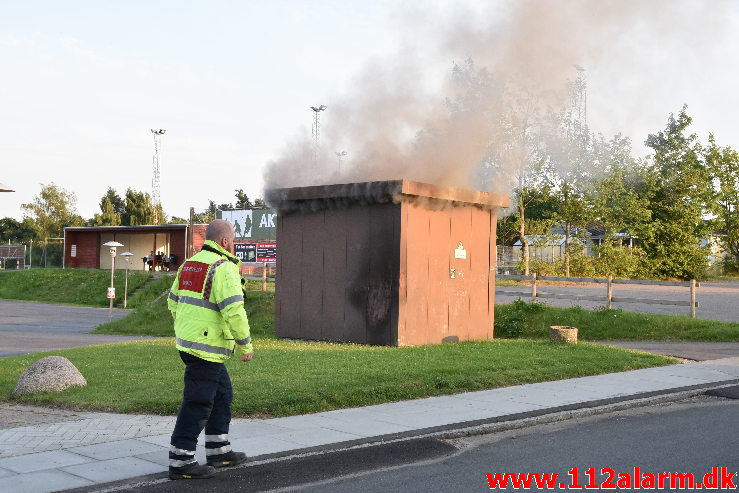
(121,229)
(297,198)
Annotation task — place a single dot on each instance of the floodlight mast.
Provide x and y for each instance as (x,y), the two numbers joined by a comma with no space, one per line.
(155,180)
(316,133)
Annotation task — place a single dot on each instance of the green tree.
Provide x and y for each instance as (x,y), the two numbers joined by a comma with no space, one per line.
(723,166)
(208,214)
(242,200)
(16,231)
(511,157)
(681,197)
(52,210)
(572,162)
(620,197)
(138,209)
(112,209)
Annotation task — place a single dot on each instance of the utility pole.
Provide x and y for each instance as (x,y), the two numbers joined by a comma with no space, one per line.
(155,180)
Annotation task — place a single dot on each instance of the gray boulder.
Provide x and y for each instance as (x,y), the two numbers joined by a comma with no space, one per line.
(50,374)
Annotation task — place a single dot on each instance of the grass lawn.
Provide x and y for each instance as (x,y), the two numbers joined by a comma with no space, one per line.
(532,320)
(155,320)
(292,377)
(515,320)
(69,286)
(288,377)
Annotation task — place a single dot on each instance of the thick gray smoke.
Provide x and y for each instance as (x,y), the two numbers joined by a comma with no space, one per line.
(500,73)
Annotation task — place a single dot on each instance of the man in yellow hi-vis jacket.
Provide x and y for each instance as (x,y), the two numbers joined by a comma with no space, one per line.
(207,304)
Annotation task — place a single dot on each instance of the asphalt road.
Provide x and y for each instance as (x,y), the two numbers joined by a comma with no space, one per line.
(696,351)
(688,436)
(717,300)
(27,327)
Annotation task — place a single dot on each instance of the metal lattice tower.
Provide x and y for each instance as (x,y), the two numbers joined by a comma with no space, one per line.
(155,179)
(316,131)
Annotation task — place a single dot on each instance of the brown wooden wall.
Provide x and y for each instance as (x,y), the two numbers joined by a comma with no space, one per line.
(434,307)
(381,274)
(88,250)
(337,274)
(178,246)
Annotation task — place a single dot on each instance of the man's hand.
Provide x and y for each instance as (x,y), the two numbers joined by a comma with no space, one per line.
(247,357)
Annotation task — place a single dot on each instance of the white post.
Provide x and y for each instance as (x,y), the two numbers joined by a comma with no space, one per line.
(125,290)
(609,291)
(113,245)
(112,268)
(126,255)
(693,296)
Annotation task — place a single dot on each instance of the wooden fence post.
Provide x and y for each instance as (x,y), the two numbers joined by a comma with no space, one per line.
(609,291)
(533,287)
(692,297)
(264,276)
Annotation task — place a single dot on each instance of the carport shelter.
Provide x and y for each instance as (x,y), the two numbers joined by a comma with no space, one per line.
(83,245)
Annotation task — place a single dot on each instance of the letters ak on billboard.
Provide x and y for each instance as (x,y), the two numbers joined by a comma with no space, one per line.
(252,223)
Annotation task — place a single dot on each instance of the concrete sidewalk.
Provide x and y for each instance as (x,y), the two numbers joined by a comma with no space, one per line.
(96,448)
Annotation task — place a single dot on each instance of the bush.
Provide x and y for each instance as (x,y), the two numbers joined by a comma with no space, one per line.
(618,261)
(730,267)
(543,268)
(609,260)
(510,320)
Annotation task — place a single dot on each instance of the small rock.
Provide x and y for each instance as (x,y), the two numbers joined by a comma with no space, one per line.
(50,374)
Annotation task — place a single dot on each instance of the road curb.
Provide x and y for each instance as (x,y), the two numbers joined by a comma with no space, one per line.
(456,430)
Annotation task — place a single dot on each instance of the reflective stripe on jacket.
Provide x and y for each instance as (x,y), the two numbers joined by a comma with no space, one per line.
(207,304)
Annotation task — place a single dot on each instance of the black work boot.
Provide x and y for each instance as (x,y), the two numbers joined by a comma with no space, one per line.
(192,471)
(228,459)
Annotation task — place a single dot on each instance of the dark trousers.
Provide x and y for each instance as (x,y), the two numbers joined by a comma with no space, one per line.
(206,402)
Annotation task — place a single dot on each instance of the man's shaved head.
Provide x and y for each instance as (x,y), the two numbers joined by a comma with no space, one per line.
(218,230)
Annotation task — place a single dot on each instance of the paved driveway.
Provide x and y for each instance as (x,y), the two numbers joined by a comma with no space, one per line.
(27,327)
(717,300)
(697,351)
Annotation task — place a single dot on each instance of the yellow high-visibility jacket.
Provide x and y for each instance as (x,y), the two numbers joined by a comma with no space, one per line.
(207,304)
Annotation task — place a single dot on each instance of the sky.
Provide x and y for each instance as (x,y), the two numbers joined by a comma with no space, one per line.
(83,82)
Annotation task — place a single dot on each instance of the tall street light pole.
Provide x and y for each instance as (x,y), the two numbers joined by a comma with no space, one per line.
(339,155)
(126,255)
(317,129)
(111,290)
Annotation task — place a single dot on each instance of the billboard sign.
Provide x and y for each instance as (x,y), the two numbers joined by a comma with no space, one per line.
(252,223)
(246,252)
(266,252)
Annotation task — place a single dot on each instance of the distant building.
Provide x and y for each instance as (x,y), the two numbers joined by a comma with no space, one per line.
(716,251)
(83,245)
(596,237)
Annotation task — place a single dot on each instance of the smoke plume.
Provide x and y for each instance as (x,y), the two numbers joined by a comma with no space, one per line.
(461,101)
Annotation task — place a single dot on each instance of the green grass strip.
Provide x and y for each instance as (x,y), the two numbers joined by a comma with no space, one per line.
(88,287)
(532,321)
(289,377)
